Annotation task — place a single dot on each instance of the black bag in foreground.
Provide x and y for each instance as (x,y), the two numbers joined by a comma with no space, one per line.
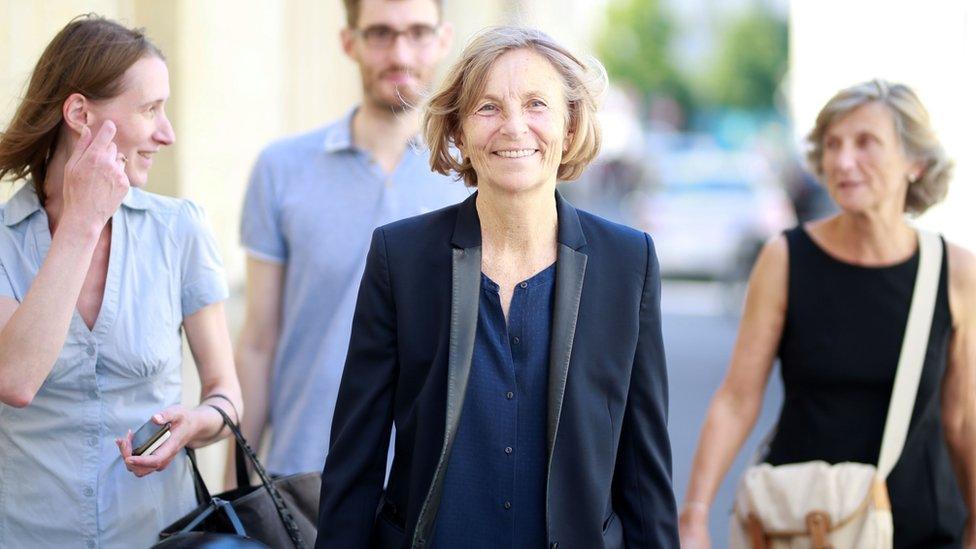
(186,538)
(280,512)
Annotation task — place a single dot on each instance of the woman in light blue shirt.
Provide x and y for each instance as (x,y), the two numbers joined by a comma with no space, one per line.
(98,279)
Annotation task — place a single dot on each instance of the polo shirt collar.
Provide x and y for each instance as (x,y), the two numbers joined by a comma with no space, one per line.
(338,136)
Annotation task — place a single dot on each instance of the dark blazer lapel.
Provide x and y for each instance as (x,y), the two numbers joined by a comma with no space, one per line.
(570,271)
(465,285)
(465,293)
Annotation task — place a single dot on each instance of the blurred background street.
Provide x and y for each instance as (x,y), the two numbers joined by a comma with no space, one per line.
(699,333)
(703,128)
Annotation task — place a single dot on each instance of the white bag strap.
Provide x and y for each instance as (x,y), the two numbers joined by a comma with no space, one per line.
(913,348)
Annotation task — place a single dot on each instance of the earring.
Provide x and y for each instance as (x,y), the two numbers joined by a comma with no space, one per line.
(912,179)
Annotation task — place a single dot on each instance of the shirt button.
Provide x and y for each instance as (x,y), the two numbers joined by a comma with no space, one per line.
(508,450)
(89,492)
(508,505)
(524,285)
(93,441)
(516,340)
(509,395)
(90,350)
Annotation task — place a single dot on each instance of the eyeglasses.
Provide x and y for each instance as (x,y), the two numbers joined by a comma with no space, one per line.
(382,36)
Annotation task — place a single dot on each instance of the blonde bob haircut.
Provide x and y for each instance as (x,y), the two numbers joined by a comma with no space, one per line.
(583,87)
(914,131)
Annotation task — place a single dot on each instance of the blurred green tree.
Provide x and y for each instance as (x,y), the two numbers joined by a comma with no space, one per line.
(751,60)
(746,67)
(634,46)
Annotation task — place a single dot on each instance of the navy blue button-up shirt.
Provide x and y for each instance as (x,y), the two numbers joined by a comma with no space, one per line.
(494,491)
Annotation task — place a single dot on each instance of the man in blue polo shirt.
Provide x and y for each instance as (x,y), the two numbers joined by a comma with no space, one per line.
(311,206)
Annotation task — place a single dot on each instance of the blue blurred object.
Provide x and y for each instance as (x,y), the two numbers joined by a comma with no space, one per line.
(710,211)
(209,540)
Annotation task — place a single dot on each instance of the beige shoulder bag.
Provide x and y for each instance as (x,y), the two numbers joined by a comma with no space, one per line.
(815,505)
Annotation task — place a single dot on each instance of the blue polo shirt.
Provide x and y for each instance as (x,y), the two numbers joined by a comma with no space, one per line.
(494,491)
(311,206)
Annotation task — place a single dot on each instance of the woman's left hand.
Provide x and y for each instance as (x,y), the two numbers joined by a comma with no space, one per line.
(184,425)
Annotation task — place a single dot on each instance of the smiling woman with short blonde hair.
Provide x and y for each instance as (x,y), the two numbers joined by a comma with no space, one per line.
(513,340)
(584,84)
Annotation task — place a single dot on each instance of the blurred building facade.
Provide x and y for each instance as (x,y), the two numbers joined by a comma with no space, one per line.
(245,72)
(242,73)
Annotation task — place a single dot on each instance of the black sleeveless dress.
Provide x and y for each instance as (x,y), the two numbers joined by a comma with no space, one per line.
(838,354)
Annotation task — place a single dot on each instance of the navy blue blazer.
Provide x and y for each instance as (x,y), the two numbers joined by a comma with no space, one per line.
(609,474)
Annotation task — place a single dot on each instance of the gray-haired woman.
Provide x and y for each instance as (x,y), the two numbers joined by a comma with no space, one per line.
(830,300)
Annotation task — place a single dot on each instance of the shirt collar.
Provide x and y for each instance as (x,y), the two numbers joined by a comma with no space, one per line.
(21,205)
(24,203)
(338,136)
(136,199)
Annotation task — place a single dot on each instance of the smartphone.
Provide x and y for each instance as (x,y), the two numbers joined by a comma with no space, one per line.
(149,437)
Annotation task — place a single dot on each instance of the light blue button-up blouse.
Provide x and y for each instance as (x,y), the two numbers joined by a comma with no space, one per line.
(62,480)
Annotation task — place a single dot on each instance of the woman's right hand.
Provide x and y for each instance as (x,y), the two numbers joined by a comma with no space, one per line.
(693,528)
(94,179)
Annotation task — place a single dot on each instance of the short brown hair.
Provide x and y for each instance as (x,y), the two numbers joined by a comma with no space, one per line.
(584,85)
(88,56)
(352,10)
(912,126)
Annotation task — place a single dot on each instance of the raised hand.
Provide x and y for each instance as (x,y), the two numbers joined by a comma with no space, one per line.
(94,179)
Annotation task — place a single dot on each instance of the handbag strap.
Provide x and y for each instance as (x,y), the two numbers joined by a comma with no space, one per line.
(286,518)
(199,486)
(223,505)
(913,349)
(240,466)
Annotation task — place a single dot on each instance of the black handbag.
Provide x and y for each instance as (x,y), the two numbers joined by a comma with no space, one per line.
(186,538)
(280,512)
(206,540)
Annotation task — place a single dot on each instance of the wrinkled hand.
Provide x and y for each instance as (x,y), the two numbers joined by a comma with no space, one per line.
(94,178)
(693,530)
(183,427)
